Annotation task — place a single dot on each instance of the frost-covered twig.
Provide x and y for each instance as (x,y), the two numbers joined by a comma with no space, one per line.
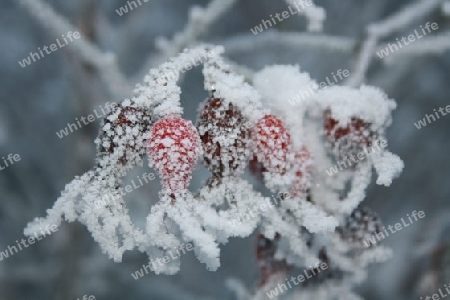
(431,45)
(246,42)
(316,15)
(199,21)
(249,42)
(88,52)
(314,222)
(241,69)
(446,8)
(384,28)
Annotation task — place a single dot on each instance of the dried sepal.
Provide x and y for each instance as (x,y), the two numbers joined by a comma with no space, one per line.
(122,135)
(225,137)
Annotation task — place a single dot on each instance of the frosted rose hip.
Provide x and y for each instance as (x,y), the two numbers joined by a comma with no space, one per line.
(272,142)
(174,146)
(347,139)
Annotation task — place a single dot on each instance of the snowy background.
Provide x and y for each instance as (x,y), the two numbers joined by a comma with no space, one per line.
(39,100)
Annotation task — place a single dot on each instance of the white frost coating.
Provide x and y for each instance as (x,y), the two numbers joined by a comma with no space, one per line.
(360,182)
(205,247)
(296,218)
(355,267)
(316,15)
(93,198)
(178,217)
(368,103)
(388,167)
(232,87)
(277,84)
(296,251)
(375,255)
(192,215)
(206,223)
(310,216)
(309,225)
(239,219)
(161,89)
(290,82)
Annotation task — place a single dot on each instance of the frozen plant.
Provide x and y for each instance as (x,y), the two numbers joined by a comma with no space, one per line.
(319,219)
(247,121)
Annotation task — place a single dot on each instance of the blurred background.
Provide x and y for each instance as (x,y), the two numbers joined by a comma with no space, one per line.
(39,100)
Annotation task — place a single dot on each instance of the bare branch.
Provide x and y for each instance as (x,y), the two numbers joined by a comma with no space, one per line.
(200,20)
(104,62)
(379,30)
(432,45)
(247,42)
(316,15)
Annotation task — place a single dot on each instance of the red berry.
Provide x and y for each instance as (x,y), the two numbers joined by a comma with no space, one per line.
(272,141)
(174,146)
(303,171)
(349,139)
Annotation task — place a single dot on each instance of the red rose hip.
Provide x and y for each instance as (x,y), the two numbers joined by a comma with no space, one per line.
(174,146)
(272,144)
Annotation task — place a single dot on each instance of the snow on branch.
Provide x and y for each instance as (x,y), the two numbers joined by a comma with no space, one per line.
(105,62)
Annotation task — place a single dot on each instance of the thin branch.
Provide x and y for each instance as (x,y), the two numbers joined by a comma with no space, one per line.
(446,8)
(384,28)
(247,42)
(432,45)
(90,54)
(199,21)
(241,43)
(316,15)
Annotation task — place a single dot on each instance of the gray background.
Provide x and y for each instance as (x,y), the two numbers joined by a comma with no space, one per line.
(42,98)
